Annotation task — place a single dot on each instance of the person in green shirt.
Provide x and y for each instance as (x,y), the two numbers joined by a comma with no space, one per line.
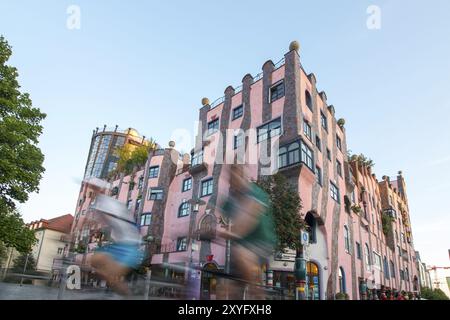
(252,234)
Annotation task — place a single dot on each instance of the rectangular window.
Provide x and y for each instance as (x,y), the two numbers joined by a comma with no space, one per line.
(182,244)
(318,143)
(156,194)
(334,192)
(319,175)
(323,120)
(187,184)
(338,142)
(153,172)
(338,168)
(206,187)
(238,140)
(146,219)
(140,182)
(358,250)
(392,269)
(138,203)
(129,204)
(307,129)
(328,154)
(269,130)
(60,250)
(277,91)
(213,126)
(238,112)
(307,156)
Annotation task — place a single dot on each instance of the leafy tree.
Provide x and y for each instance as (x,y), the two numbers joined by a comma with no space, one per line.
(361,159)
(20,261)
(286,206)
(20,127)
(131,156)
(433,294)
(14,233)
(3,253)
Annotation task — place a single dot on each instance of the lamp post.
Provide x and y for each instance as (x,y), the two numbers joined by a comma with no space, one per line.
(300,267)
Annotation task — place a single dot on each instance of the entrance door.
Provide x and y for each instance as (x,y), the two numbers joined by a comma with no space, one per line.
(209,282)
(313,281)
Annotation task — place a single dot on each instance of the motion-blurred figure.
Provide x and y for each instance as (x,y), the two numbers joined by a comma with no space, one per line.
(253,234)
(115,260)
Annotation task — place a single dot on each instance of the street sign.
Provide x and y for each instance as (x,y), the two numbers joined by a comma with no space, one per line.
(304,238)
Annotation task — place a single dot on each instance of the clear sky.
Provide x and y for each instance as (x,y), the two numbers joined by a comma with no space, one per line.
(147,64)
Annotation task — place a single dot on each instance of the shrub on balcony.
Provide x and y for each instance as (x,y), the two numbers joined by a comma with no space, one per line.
(386,221)
(356,209)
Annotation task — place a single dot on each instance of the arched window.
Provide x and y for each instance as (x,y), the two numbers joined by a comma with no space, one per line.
(311,227)
(184,209)
(313,280)
(308,100)
(346,239)
(342,288)
(367,256)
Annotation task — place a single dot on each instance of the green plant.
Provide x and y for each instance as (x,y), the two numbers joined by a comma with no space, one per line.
(433,294)
(386,221)
(356,209)
(362,160)
(341,296)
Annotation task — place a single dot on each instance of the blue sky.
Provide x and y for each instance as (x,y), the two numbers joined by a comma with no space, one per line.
(148,64)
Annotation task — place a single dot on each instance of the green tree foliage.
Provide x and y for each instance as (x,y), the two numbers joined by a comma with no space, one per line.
(361,159)
(14,233)
(3,252)
(19,264)
(131,156)
(433,294)
(386,221)
(286,206)
(20,127)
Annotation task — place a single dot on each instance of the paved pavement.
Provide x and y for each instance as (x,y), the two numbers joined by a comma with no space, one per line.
(13,291)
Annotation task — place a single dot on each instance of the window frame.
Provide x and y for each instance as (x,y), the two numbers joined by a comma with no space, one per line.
(183,184)
(240,114)
(268,132)
(339,168)
(307,130)
(213,130)
(181,240)
(274,86)
(208,180)
(319,176)
(184,207)
(323,119)
(151,172)
(144,217)
(160,191)
(334,192)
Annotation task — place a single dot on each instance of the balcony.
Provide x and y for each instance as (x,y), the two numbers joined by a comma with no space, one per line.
(197,164)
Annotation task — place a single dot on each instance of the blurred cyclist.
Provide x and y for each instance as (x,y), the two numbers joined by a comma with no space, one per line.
(253,231)
(114,261)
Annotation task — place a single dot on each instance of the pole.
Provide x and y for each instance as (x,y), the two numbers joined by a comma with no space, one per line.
(24,269)
(63,281)
(147,284)
(228,261)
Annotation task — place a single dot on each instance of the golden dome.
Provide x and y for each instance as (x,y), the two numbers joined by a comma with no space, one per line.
(295,45)
(205,101)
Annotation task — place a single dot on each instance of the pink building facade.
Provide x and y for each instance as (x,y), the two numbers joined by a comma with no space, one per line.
(277,121)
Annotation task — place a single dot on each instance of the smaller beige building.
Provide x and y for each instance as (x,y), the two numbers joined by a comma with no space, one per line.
(51,242)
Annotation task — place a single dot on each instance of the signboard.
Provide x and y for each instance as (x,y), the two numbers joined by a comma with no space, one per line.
(288,255)
(304,238)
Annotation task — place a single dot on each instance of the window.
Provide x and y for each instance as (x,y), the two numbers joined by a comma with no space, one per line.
(311,227)
(402,275)
(138,203)
(197,158)
(277,91)
(307,156)
(114,192)
(182,244)
(346,239)
(156,194)
(207,187)
(318,143)
(60,250)
(307,129)
(367,256)
(342,288)
(392,269)
(338,142)
(238,112)
(334,191)
(129,204)
(308,100)
(339,168)
(403,237)
(319,176)
(269,130)
(184,209)
(323,121)
(213,126)
(353,197)
(238,139)
(187,184)
(358,250)
(377,260)
(146,219)
(140,182)
(328,154)
(153,172)
(386,268)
